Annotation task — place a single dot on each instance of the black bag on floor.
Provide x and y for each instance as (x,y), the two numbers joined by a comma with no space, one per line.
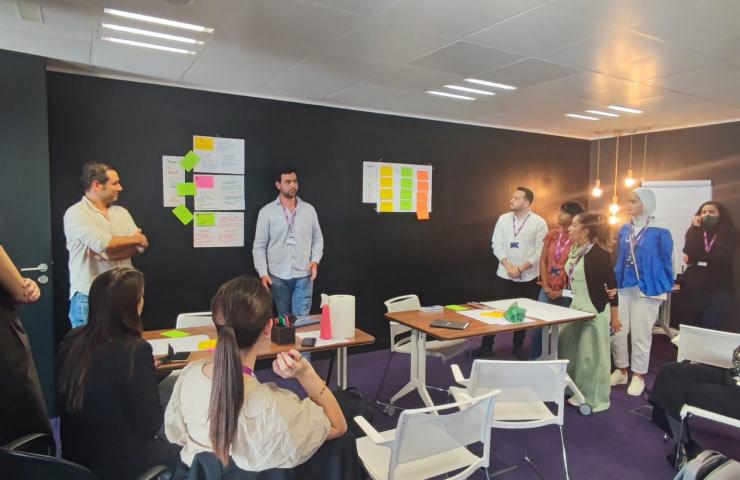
(354,404)
(710,465)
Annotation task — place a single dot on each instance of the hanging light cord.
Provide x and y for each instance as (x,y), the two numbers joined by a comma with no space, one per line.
(644,156)
(598,157)
(630,167)
(616,166)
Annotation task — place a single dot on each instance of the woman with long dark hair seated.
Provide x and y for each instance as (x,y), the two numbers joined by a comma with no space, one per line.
(108,394)
(220,407)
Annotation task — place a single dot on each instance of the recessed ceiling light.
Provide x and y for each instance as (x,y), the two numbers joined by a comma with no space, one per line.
(157,20)
(451,95)
(624,109)
(149,33)
(147,45)
(582,117)
(605,114)
(490,84)
(471,90)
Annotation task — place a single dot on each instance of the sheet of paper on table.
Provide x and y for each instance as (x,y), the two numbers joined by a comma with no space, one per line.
(184,344)
(539,310)
(319,342)
(491,317)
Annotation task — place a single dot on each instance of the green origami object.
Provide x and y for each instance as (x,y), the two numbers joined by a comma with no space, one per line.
(515,313)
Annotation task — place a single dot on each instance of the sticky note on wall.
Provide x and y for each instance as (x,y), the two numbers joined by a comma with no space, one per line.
(183,214)
(407,172)
(203,181)
(186,189)
(203,143)
(422,176)
(386,171)
(386,207)
(386,194)
(205,219)
(386,182)
(189,161)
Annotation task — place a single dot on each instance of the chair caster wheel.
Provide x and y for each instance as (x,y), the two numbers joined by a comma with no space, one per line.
(585,409)
(390,410)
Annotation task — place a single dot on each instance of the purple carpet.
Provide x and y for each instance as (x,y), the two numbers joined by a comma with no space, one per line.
(620,443)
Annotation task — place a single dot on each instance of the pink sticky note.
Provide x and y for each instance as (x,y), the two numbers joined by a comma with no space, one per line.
(204,181)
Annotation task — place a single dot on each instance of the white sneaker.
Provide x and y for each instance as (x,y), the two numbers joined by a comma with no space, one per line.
(618,378)
(573,401)
(637,385)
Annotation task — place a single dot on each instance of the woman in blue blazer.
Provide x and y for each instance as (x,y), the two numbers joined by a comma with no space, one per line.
(644,271)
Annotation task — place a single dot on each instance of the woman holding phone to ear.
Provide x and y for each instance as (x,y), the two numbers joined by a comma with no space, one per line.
(644,271)
(710,246)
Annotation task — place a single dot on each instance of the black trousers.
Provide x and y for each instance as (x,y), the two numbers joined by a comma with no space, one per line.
(710,309)
(701,386)
(502,289)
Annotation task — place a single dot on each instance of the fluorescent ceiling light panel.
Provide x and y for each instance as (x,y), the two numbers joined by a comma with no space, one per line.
(149,33)
(470,90)
(451,95)
(147,45)
(605,114)
(581,117)
(490,84)
(157,20)
(624,109)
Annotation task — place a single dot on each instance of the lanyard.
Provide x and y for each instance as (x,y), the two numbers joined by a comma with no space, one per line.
(559,248)
(708,245)
(290,216)
(513,224)
(247,371)
(581,253)
(635,240)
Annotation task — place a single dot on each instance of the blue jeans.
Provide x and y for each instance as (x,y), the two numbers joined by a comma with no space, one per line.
(292,296)
(537,332)
(78,309)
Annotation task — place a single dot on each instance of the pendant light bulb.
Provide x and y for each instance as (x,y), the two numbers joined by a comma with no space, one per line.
(630,181)
(597,191)
(613,220)
(614,207)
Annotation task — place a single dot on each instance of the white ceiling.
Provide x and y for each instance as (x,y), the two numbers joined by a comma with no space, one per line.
(678,60)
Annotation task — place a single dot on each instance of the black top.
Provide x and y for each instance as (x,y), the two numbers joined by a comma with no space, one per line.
(597,264)
(121,411)
(716,276)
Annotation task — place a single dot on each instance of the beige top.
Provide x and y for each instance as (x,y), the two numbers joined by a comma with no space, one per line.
(88,234)
(276,429)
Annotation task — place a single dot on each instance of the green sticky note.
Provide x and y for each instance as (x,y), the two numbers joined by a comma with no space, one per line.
(456,308)
(407,205)
(175,334)
(182,213)
(405,194)
(186,189)
(407,183)
(189,161)
(205,219)
(407,172)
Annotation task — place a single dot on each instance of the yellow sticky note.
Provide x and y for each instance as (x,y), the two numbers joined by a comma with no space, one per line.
(386,206)
(207,344)
(386,194)
(386,182)
(493,314)
(386,171)
(203,143)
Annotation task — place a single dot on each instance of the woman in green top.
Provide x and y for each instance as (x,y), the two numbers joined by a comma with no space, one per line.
(592,285)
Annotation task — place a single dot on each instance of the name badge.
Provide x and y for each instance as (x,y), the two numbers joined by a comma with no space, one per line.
(702,264)
(291,240)
(567,293)
(514,245)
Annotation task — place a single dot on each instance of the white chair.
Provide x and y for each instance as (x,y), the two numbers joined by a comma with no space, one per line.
(710,347)
(194,319)
(426,444)
(525,389)
(444,349)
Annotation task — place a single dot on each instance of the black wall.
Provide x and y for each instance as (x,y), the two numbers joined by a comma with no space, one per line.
(375,257)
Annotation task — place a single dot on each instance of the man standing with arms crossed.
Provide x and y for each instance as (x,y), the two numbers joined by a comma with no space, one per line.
(517,243)
(100,236)
(288,246)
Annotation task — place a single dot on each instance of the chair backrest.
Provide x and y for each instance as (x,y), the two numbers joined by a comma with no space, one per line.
(711,347)
(533,381)
(16,465)
(422,432)
(400,304)
(194,319)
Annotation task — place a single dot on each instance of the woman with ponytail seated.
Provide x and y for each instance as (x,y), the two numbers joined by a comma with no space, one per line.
(221,407)
(108,393)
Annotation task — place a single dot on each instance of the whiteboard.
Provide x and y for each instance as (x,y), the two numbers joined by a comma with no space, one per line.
(677,202)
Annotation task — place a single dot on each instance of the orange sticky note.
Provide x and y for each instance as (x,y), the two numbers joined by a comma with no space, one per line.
(203,143)
(422,187)
(422,175)
(386,207)
(422,197)
(422,212)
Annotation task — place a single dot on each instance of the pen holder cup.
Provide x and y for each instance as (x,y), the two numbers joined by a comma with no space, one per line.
(283,335)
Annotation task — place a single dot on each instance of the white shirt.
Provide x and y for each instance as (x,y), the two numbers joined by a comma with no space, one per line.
(525,246)
(275,428)
(88,234)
